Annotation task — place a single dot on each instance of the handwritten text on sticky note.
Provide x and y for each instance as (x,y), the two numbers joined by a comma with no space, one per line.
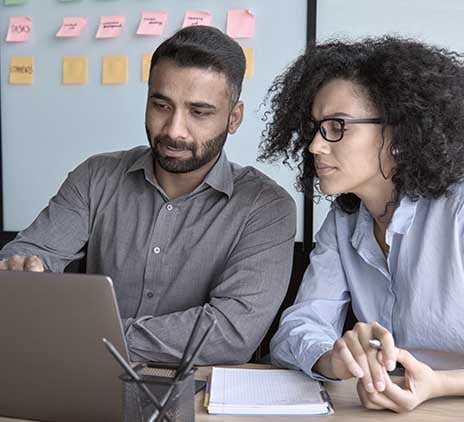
(241,23)
(19,29)
(194,18)
(110,26)
(21,70)
(152,23)
(72,26)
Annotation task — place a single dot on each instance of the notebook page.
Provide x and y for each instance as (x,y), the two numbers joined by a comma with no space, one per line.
(248,387)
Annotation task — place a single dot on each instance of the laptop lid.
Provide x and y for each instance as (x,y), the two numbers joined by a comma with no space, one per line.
(53,363)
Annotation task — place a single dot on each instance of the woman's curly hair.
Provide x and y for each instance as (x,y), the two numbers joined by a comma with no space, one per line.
(417,89)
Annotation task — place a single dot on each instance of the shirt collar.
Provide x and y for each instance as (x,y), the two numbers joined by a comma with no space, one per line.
(220,176)
(144,162)
(403,217)
(401,222)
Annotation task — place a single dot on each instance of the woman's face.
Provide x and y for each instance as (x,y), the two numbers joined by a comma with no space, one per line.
(351,164)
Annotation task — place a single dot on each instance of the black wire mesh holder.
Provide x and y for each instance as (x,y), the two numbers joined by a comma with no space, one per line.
(170,398)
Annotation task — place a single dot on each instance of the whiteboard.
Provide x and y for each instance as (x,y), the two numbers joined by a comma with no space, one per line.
(48,128)
(432,21)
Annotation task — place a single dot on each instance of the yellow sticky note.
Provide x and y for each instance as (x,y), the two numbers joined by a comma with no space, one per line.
(146,62)
(75,70)
(22,70)
(115,70)
(250,62)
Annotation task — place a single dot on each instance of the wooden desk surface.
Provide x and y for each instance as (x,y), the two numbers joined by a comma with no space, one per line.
(347,408)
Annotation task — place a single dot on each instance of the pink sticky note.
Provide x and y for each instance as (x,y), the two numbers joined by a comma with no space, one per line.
(72,26)
(19,29)
(241,23)
(193,18)
(152,23)
(110,26)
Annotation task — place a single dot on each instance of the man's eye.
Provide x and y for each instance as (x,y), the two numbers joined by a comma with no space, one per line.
(200,113)
(160,106)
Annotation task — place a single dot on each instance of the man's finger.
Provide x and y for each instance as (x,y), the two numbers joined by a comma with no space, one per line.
(16,263)
(3,265)
(33,263)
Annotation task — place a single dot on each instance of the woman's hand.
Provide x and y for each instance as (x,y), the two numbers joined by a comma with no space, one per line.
(352,356)
(420,383)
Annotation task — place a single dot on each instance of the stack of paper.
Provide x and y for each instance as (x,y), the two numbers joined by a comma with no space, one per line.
(237,391)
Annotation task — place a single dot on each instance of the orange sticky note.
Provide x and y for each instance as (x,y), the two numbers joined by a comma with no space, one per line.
(22,70)
(250,62)
(115,70)
(19,29)
(194,18)
(146,62)
(75,70)
(110,26)
(152,23)
(72,26)
(241,23)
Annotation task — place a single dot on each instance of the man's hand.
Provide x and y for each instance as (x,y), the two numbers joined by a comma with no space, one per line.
(420,383)
(22,263)
(352,356)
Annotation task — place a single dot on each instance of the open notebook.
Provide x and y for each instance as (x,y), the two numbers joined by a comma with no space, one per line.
(238,391)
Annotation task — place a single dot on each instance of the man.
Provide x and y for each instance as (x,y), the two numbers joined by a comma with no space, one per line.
(176,226)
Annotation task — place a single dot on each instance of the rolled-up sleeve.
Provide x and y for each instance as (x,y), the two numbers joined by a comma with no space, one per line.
(309,328)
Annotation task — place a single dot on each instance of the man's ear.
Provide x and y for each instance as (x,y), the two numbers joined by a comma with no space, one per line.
(236,117)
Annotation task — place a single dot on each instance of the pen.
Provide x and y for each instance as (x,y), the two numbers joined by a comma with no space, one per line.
(375,344)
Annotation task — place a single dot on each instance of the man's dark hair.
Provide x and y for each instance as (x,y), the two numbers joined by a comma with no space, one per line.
(417,89)
(206,48)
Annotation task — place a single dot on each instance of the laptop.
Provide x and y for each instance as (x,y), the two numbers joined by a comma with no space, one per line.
(53,363)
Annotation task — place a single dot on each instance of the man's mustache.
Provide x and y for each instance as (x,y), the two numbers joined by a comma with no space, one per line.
(166,141)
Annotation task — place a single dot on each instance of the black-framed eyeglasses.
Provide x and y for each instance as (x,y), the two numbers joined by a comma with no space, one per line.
(332,129)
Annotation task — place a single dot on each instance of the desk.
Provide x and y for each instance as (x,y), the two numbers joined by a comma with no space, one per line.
(347,408)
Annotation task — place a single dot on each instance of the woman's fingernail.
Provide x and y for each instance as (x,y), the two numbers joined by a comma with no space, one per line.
(380,386)
(370,388)
(391,365)
(358,373)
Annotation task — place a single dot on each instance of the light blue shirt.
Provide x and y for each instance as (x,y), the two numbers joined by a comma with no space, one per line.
(416,292)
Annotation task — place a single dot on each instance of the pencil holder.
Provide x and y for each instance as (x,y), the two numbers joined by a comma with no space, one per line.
(174,398)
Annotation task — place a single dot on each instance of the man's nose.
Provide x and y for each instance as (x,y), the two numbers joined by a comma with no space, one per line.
(176,126)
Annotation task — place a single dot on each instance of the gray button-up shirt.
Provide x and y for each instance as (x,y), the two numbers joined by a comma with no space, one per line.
(228,245)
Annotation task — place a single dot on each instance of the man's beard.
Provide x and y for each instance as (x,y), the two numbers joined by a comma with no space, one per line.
(201,155)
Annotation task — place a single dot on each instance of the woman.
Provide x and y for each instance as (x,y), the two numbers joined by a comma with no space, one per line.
(379,125)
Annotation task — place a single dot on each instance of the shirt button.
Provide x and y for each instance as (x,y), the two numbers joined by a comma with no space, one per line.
(150,294)
(169,207)
(156,250)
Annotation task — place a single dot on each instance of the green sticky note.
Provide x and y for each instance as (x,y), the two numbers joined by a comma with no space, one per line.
(13,2)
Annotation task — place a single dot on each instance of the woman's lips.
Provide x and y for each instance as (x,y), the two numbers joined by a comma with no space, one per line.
(323,169)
